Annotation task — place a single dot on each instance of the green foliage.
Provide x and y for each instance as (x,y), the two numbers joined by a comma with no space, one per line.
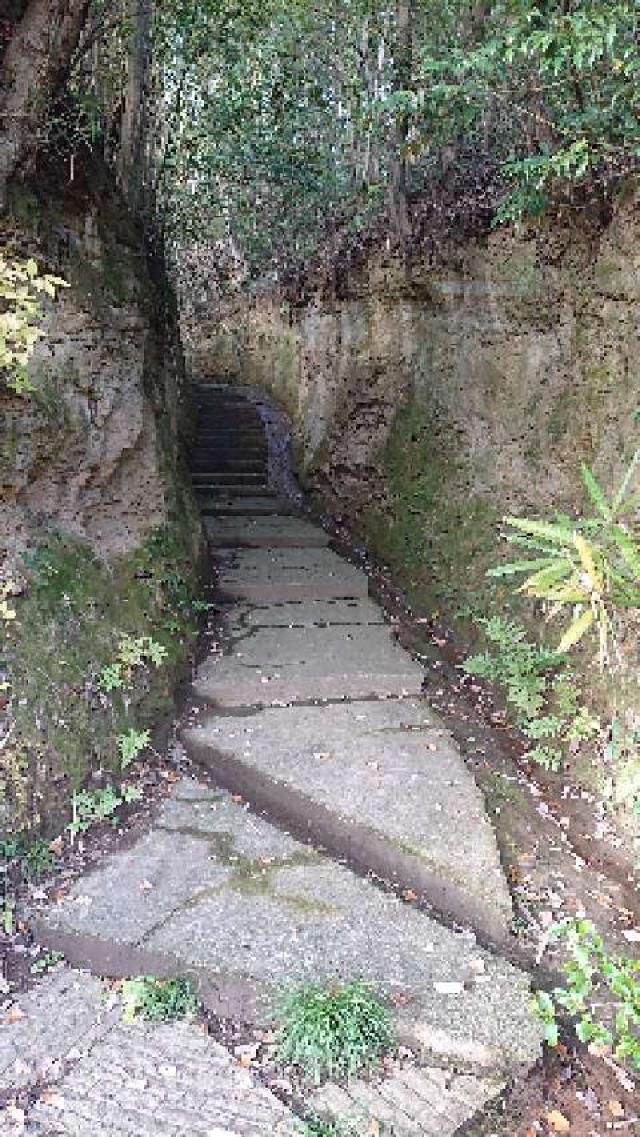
(32,853)
(602,994)
(589,565)
(157,1000)
(90,808)
(133,652)
(333,1032)
(87,657)
(538,687)
(21,314)
(131,744)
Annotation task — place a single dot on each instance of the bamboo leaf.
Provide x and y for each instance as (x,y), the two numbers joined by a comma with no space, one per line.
(586,554)
(596,493)
(513,567)
(576,630)
(539,583)
(618,500)
(629,549)
(546,530)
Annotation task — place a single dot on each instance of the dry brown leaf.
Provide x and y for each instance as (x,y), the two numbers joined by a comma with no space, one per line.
(56,847)
(615,1108)
(558,1122)
(13,1015)
(145,885)
(409,894)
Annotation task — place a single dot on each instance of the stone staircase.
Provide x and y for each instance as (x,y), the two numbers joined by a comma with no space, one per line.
(336,834)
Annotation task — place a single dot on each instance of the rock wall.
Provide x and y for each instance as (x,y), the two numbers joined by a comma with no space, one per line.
(99,531)
(95,450)
(520,352)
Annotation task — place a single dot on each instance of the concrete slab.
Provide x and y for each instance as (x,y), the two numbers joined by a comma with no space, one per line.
(264,575)
(286,916)
(287,665)
(259,532)
(303,614)
(414,1101)
(136,1080)
(378,782)
(224,504)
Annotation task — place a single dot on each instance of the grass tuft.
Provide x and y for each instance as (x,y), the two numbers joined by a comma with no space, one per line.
(157,1000)
(333,1032)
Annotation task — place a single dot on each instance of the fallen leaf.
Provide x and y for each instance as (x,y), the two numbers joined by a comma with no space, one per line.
(13,1015)
(52,1097)
(145,885)
(56,847)
(615,1108)
(558,1122)
(409,894)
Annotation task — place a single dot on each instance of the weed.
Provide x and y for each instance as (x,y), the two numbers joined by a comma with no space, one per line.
(539,687)
(46,961)
(334,1032)
(157,1000)
(90,808)
(34,855)
(131,744)
(602,993)
(334,1127)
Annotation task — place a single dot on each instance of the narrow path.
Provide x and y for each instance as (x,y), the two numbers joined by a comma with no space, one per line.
(350,810)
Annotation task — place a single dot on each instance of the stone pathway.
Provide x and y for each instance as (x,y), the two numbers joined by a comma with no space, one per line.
(347,840)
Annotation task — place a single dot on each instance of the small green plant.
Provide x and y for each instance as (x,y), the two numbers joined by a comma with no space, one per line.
(34,855)
(46,961)
(336,1126)
(157,1000)
(333,1032)
(131,744)
(540,689)
(589,566)
(602,994)
(21,315)
(88,808)
(133,652)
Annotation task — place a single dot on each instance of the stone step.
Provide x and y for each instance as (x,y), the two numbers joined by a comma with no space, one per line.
(412,1102)
(213,489)
(244,909)
(267,504)
(270,532)
(211,462)
(302,614)
(274,666)
(229,478)
(380,784)
(279,574)
(131,1080)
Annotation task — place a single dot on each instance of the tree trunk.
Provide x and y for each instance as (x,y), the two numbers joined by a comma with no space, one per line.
(35,66)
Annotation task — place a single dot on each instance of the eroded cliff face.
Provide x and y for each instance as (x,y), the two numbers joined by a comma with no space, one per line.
(430,397)
(94,450)
(519,352)
(99,532)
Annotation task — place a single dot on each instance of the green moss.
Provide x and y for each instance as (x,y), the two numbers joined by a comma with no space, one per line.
(438,535)
(69,624)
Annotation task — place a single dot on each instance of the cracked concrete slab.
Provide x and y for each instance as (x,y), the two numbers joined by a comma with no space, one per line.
(265,911)
(287,665)
(302,614)
(104,1077)
(388,768)
(264,532)
(265,575)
